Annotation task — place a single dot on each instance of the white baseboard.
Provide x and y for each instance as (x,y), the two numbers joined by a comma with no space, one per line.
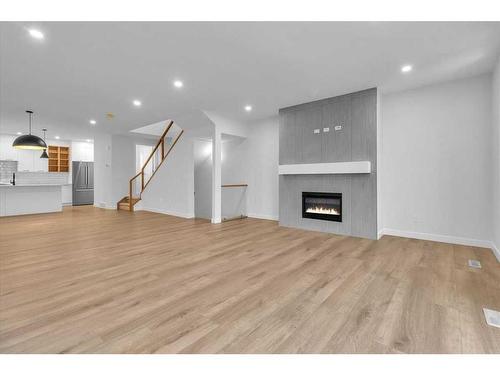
(168,212)
(265,217)
(442,238)
(380,233)
(106,207)
(496,251)
(438,238)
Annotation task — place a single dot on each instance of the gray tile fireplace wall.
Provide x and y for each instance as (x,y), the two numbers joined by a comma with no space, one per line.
(356,113)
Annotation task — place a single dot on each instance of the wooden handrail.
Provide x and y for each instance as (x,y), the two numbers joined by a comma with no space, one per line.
(173,144)
(130,196)
(157,145)
(161,143)
(161,162)
(234,185)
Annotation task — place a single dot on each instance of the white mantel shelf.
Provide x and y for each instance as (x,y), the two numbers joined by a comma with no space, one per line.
(350,167)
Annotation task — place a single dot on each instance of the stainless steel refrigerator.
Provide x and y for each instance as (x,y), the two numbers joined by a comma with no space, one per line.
(83,183)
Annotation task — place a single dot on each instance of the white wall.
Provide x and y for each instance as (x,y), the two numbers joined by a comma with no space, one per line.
(202,178)
(228,126)
(234,170)
(436,161)
(496,161)
(142,153)
(123,165)
(380,150)
(253,161)
(262,168)
(171,191)
(114,166)
(102,171)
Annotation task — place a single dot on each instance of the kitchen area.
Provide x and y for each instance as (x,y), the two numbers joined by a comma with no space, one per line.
(33,181)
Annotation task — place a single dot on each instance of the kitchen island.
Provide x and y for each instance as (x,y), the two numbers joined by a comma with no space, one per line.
(30,199)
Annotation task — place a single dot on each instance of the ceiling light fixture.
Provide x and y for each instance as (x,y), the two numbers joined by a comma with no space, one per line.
(19,133)
(137,103)
(44,153)
(29,141)
(178,84)
(37,34)
(88,140)
(93,122)
(57,137)
(248,108)
(406,68)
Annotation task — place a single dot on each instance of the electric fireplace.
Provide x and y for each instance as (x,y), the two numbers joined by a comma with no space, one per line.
(322,206)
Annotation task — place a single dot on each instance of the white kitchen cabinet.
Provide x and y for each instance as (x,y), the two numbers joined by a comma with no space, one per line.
(67,194)
(82,151)
(7,152)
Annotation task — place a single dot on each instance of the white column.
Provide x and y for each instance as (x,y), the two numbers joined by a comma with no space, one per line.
(216,175)
(103,172)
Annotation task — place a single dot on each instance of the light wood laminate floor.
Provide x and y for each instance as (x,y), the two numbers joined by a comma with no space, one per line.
(98,281)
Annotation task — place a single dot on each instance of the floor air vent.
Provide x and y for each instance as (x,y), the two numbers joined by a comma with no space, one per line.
(474,263)
(492,317)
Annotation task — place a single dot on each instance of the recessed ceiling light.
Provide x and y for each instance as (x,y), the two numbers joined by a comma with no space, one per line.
(137,103)
(248,108)
(57,137)
(37,34)
(178,84)
(406,68)
(19,133)
(88,140)
(93,122)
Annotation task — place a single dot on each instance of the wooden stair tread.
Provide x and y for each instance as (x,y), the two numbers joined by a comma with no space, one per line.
(134,200)
(124,203)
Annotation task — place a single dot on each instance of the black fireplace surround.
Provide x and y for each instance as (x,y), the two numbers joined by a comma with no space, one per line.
(322,206)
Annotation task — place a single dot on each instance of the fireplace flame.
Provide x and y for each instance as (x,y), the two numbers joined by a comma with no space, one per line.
(322,210)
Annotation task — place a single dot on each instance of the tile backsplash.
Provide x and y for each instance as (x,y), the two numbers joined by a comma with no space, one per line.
(42,178)
(7,168)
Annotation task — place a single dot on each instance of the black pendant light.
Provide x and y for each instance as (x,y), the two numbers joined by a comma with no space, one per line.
(29,141)
(44,153)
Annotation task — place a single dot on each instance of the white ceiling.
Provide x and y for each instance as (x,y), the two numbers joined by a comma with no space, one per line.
(84,70)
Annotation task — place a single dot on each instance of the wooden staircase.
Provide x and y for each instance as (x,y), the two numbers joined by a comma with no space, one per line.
(124,203)
(128,202)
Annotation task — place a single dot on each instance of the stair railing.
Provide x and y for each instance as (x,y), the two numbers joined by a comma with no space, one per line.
(160,145)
